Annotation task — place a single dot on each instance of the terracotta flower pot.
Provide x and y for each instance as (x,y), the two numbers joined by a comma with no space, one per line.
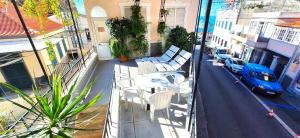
(123,58)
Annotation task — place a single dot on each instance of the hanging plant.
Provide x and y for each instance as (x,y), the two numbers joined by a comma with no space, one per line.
(161,27)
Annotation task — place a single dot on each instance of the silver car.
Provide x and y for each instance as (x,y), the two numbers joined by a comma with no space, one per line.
(234,64)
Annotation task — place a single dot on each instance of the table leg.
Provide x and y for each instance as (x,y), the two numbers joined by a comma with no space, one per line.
(152,91)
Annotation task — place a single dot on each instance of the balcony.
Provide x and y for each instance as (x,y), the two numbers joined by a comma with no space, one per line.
(256,40)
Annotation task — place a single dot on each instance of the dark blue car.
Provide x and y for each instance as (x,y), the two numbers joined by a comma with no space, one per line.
(261,78)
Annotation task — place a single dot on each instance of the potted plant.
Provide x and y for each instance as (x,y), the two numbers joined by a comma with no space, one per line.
(119,50)
(56,110)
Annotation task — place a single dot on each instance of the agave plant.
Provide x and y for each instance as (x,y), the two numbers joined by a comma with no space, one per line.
(56,110)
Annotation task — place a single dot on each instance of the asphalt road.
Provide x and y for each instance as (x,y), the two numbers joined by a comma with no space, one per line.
(231,111)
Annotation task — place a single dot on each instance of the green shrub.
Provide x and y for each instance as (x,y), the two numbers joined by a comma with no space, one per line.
(117,49)
(179,37)
(139,44)
(120,28)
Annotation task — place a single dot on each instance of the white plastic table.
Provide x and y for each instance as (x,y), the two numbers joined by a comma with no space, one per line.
(152,80)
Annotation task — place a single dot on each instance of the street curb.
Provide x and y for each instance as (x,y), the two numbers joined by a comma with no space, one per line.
(289,102)
(281,122)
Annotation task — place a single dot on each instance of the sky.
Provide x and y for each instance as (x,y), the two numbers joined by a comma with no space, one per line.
(80,6)
(217,5)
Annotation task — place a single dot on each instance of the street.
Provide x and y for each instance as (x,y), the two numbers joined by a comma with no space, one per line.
(233,112)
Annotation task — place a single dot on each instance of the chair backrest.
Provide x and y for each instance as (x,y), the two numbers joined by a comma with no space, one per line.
(161,100)
(185,54)
(146,68)
(170,53)
(174,65)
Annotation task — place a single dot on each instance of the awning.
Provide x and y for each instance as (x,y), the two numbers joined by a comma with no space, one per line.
(292,23)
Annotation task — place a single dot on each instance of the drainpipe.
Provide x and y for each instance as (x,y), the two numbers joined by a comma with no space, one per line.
(76,31)
(29,38)
(201,114)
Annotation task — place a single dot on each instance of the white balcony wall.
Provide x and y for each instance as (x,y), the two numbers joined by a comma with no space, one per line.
(281,47)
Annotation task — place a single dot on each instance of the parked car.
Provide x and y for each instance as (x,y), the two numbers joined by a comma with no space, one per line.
(261,78)
(221,54)
(234,64)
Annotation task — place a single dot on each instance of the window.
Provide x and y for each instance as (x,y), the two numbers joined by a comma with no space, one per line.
(222,25)
(225,44)
(259,28)
(281,34)
(275,33)
(225,25)
(64,44)
(290,36)
(296,40)
(59,50)
(230,26)
(216,24)
(221,42)
(176,17)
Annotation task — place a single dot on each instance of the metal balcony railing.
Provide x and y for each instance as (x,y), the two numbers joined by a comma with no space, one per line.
(68,74)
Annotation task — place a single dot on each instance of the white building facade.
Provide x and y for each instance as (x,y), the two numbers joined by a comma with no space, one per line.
(224,25)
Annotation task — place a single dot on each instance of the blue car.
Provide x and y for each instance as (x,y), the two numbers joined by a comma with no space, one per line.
(261,78)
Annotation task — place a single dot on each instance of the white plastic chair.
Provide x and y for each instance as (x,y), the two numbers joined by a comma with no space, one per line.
(159,101)
(178,80)
(128,90)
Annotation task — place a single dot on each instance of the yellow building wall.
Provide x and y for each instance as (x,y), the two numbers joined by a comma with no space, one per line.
(32,64)
(113,9)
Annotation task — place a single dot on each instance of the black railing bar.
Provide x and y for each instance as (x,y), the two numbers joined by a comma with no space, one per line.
(198,73)
(109,106)
(23,116)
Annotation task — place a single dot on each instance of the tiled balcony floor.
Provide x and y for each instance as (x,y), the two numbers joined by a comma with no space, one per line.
(135,121)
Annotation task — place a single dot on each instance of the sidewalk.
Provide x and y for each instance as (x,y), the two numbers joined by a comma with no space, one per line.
(291,99)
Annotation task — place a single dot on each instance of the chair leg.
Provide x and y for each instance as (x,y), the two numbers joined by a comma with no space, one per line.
(151,113)
(126,103)
(168,113)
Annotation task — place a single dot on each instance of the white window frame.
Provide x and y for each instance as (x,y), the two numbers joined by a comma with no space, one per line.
(281,34)
(179,5)
(290,35)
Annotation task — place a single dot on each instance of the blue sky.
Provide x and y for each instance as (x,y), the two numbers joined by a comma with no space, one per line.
(216,6)
(80,6)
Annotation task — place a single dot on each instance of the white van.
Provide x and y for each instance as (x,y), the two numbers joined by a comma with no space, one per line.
(221,54)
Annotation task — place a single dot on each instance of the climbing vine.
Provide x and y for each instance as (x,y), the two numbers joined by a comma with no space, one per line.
(50,50)
(139,44)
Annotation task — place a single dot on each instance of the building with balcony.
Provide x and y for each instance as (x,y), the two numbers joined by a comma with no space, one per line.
(224,26)
(19,64)
(273,43)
